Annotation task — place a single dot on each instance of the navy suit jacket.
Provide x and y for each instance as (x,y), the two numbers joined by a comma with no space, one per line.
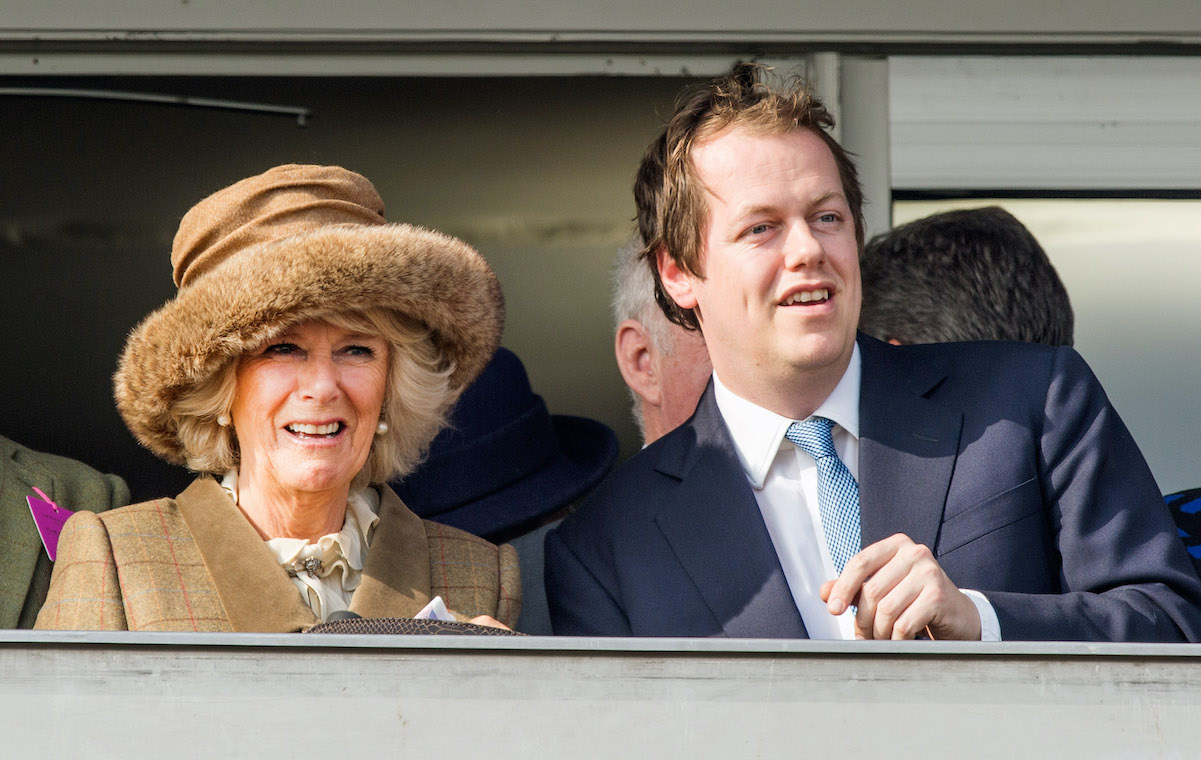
(1006,459)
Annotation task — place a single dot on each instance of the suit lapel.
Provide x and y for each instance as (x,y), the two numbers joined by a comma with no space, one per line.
(713,524)
(254,589)
(22,545)
(396,576)
(907,447)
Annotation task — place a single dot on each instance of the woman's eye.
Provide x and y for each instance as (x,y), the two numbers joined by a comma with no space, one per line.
(359,351)
(281,348)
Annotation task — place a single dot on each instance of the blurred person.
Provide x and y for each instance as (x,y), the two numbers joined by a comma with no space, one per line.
(833,486)
(665,367)
(311,354)
(24,563)
(508,470)
(975,274)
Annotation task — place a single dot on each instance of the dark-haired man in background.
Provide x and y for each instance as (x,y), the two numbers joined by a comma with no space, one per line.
(972,274)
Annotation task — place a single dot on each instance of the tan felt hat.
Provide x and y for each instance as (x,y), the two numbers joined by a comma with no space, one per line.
(291,244)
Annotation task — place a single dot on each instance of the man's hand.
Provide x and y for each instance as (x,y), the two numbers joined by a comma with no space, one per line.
(900,589)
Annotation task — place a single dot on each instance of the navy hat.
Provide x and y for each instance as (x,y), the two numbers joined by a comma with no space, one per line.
(505,462)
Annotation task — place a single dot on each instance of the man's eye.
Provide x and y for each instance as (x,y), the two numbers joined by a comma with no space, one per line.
(758,229)
(830,218)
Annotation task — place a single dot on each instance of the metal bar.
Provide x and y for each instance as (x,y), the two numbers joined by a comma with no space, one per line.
(604,646)
(302,114)
(566,39)
(267,62)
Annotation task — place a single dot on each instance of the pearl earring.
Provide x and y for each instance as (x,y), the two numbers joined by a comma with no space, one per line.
(223,420)
(381,428)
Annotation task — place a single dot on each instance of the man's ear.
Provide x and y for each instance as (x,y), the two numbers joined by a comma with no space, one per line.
(676,281)
(636,359)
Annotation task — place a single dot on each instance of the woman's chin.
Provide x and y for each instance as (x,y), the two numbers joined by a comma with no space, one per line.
(306,481)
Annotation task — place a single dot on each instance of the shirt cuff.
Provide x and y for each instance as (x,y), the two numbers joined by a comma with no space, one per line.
(990,627)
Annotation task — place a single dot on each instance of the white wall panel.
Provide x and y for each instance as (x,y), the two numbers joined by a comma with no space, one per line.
(1045,123)
(129,695)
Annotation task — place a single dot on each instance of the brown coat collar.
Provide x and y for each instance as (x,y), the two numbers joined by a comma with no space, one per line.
(396,578)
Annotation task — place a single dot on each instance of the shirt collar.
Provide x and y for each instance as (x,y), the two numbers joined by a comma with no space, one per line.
(757,432)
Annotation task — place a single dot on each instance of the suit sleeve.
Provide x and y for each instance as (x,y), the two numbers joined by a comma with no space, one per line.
(579,604)
(85,594)
(1124,573)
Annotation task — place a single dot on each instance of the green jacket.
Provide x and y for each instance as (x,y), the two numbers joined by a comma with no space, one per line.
(24,566)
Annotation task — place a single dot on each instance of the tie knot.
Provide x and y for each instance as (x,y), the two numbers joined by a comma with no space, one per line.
(813,436)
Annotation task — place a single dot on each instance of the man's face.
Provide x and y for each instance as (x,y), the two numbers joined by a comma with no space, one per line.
(780,295)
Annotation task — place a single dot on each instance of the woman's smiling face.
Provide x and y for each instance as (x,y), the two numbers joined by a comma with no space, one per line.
(306,407)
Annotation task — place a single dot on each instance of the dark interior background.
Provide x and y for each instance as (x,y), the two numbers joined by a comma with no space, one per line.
(535,172)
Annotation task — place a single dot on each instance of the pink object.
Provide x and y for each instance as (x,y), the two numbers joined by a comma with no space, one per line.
(49,518)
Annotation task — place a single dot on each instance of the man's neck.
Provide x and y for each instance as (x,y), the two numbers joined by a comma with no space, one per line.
(795,396)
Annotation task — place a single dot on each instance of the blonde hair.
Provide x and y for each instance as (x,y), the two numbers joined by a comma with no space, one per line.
(417,399)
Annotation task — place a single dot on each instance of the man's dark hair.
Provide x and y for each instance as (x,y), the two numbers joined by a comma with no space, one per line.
(672,210)
(976,274)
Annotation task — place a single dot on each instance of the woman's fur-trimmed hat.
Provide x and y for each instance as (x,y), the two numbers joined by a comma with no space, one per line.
(291,244)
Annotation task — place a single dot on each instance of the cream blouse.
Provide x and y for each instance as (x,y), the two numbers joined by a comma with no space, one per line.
(326,572)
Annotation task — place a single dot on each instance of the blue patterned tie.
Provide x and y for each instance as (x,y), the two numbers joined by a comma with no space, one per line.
(837,491)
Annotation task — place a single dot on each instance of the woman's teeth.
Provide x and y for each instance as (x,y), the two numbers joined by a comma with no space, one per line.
(304,429)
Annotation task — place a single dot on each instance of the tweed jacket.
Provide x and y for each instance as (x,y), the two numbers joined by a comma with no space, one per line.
(194,563)
(24,566)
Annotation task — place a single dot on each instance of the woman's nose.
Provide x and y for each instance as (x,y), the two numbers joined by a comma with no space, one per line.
(319,379)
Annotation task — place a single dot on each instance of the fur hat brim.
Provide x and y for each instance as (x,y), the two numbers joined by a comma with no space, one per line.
(251,296)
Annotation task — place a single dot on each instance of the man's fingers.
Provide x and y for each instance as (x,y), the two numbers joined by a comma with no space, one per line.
(862,566)
(920,613)
(824,591)
(874,590)
(927,599)
(899,589)
(884,597)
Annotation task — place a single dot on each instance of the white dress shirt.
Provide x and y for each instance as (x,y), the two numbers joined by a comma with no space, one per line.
(784,481)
